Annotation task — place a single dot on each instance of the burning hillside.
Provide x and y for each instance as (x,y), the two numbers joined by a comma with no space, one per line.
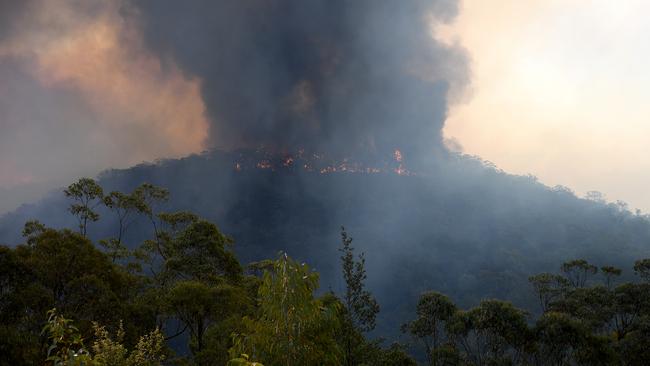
(319,163)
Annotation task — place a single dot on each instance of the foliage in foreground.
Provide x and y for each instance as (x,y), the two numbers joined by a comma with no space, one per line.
(184,286)
(66,346)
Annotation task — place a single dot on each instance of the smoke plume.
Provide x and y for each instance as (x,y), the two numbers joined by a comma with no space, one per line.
(338,76)
(80,92)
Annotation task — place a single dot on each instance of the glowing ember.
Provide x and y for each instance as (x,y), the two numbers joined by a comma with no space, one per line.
(397,155)
(401,171)
(320,163)
(287,162)
(264,164)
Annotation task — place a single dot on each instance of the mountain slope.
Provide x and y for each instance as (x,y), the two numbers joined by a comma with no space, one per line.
(459,227)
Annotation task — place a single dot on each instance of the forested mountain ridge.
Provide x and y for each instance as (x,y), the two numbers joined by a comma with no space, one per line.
(460,226)
(147,280)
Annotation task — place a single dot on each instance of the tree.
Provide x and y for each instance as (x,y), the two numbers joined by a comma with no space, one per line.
(62,269)
(66,271)
(125,206)
(594,306)
(433,311)
(633,347)
(361,308)
(394,355)
(292,327)
(578,271)
(642,269)
(150,198)
(69,273)
(610,273)
(19,338)
(32,229)
(560,339)
(495,332)
(548,288)
(157,252)
(86,195)
(197,279)
(156,255)
(631,304)
(200,251)
(14,276)
(199,305)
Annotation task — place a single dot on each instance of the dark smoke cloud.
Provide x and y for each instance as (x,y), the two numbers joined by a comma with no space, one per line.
(8,11)
(328,75)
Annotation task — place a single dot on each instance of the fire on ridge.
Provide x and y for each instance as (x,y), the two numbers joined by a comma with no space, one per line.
(301,160)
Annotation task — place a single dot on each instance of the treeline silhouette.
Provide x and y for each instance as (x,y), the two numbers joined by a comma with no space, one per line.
(181,297)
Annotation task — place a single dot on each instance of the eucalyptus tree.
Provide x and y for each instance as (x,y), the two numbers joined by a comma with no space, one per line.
(495,332)
(291,327)
(360,305)
(433,311)
(86,195)
(578,271)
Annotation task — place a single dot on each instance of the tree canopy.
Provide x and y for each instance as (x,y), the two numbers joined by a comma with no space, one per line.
(181,296)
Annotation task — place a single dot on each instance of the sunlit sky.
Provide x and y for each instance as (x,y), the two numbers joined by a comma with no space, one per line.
(561,90)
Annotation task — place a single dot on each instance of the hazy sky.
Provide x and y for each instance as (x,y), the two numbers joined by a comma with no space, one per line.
(561,90)
(79,93)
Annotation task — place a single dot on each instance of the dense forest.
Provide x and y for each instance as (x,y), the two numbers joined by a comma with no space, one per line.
(459,226)
(182,297)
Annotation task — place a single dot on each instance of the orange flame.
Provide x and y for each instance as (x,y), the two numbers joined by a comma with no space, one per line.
(314,162)
(264,164)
